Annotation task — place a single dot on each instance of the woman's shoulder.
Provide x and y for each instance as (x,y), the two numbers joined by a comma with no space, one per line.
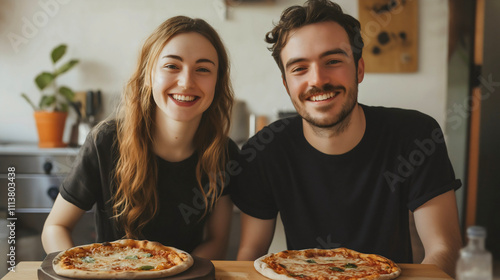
(104,134)
(233,149)
(106,127)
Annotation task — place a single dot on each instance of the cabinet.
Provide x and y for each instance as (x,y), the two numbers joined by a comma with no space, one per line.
(37,175)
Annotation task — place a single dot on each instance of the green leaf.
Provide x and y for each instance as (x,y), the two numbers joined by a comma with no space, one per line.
(311,261)
(88,259)
(47,101)
(67,92)
(65,67)
(58,52)
(44,79)
(131,258)
(29,101)
(146,267)
(64,107)
(147,255)
(297,275)
(350,265)
(337,269)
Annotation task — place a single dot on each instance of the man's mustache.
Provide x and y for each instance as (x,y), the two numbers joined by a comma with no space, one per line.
(327,88)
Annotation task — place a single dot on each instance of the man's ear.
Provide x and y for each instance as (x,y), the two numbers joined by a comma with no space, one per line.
(284,83)
(361,70)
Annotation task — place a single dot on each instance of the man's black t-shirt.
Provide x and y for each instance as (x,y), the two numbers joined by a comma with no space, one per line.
(179,221)
(360,199)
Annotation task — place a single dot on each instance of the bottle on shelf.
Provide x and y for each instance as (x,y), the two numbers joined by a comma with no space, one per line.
(475,262)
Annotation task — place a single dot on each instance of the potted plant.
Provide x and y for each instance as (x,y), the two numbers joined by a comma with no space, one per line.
(52,109)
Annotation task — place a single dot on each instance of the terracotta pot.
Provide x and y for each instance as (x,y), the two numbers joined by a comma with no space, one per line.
(50,126)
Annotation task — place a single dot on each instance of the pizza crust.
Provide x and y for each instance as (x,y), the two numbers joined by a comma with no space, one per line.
(267,271)
(187,262)
(264,269)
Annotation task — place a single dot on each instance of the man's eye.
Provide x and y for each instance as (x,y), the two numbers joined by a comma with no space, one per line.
(333,62)
(298,69)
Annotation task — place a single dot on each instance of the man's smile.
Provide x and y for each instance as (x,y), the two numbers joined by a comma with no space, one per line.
(322,97)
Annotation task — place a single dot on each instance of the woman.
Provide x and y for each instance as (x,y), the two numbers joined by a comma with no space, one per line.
(156,172)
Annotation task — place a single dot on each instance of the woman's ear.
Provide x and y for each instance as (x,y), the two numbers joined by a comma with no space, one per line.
(148,80)
(149,75)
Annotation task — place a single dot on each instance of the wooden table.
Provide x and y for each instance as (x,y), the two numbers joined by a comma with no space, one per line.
(239,270)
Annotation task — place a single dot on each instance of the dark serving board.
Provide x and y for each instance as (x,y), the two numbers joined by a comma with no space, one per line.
(202,269)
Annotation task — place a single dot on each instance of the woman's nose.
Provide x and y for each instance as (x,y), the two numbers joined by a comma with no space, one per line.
(185,79)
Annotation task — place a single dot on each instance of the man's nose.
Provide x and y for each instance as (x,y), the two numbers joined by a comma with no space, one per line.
(318,77)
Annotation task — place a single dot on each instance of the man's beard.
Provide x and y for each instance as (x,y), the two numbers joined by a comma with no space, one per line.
(338,122)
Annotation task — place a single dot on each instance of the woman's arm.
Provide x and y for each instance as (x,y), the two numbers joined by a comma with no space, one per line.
(216,240)
(56,234)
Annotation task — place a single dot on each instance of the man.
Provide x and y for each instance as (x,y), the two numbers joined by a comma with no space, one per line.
(343,174)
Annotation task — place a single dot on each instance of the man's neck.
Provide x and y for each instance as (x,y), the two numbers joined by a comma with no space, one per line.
(339,139)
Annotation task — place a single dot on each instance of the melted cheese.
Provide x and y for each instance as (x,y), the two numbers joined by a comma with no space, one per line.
(116,260)
(300,266)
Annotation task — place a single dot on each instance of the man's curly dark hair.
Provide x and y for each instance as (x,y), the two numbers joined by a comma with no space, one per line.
(313,11)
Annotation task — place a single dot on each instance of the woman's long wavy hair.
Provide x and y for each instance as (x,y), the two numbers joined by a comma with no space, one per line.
(136,201)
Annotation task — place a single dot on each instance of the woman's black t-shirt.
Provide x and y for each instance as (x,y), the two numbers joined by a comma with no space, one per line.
(180,219)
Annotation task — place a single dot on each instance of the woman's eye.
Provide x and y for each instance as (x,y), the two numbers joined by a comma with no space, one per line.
(203,70)
(170,66)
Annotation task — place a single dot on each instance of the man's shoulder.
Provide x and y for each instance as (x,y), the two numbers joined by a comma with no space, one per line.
(274,137)
(279,130)
(398,117)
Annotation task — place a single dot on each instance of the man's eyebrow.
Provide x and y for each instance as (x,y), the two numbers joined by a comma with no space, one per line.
(293,61)
(334,51)
(327,53)
(201,60)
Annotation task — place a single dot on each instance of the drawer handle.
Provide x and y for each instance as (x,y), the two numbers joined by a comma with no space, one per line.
(33,210)
(53,192)
(47,167)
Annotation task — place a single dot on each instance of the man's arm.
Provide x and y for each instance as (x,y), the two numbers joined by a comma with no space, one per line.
(438,227)
(256,237)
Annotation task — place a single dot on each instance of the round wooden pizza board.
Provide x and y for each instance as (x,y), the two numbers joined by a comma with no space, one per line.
(202,269)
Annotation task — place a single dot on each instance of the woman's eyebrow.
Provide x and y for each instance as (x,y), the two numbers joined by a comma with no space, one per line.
(172,56)
(201,60)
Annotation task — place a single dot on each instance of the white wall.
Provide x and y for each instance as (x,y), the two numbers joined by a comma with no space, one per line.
(106,37)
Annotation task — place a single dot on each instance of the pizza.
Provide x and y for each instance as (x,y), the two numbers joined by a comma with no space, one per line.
(125,259)
(320,264)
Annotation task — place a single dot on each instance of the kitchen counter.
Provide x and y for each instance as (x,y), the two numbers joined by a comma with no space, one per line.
(244,270)
(33,149)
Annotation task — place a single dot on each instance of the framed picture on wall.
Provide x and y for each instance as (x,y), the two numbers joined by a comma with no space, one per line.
(390,32)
